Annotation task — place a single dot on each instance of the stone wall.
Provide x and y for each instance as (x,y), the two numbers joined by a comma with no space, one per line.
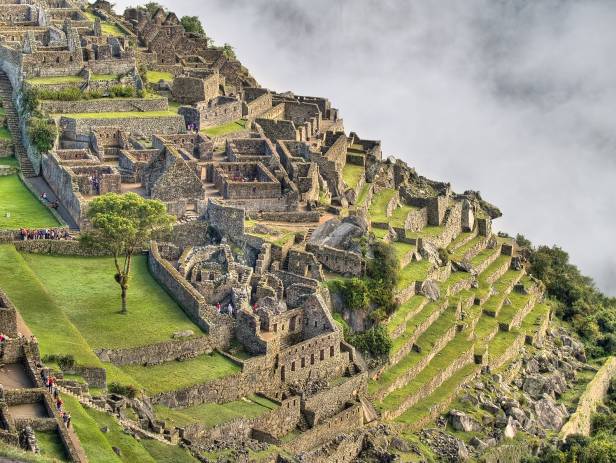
(103,105)
(342,423)
(8,316)
(154,354)
(277,130)
(145,126)
(329,402)
(336,260)
(593,395)
(58,247)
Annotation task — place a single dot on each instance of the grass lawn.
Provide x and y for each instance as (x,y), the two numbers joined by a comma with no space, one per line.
(24,208)
(111,29)
(378,208)
(10,161)
(399,316)
(162,453)
(18,455)
(50,80)
(225,129)
(104,77)
(51,445)
(155,76)
(171,376)
(414,271)
(402,249)
(5,134)
(120,115)
(351,174)
(363,194)
(212,414)
(93,309)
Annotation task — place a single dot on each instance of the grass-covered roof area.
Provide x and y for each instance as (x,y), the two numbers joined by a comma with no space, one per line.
(119,115)
(154,77)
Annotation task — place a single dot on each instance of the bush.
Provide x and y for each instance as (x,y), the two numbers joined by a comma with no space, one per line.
(128,390)
(354,293)
(192,24)
(121,91)
(42,133)
(65,362)
(375,341)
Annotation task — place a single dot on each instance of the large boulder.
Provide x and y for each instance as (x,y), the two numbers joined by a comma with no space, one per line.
(429,289)
(549,414)
(340,234)
(460,421)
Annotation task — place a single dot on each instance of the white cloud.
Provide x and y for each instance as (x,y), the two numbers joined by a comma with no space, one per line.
(515,99)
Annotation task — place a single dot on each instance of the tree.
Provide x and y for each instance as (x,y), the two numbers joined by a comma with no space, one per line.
(152,7)
(43,133)
(228,51)
(192,24)
(123,225)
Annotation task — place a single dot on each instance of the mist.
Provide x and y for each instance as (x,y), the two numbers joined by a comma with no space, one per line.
(516,99)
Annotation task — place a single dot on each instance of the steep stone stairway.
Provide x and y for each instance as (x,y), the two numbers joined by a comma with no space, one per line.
(6,93)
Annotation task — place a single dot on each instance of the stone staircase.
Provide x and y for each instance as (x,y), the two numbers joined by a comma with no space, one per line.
(6,94)
(124,422)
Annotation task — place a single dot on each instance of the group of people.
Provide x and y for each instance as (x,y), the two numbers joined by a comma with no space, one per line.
(52,387)
(45,199)
(44,234)
(95,181)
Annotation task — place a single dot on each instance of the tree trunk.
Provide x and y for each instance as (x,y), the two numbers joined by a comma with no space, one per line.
(124,309)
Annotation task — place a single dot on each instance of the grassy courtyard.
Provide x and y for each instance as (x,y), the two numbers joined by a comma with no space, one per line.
(177,375)
(156,76)
(212,414)
(225,129)
(21,206)
(94,309)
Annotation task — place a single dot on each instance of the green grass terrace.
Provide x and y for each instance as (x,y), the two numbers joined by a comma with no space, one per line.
(119,115)
(211,414)
(154,77)
(351,175)
(19,207)
(378,208)
(225,129)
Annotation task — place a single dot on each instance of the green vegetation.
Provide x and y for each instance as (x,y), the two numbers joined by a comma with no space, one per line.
(42,133)
(177,375)
(212,414)
(225,129)
(10,161)
(123,224)
(20,208)
(192,24)
(363,194)
(378,208)
(375,340)
(19,455)
(577,301)
(351,174)
(414,271)
(75,94)
(51,445)
(94,312)
(599,447)
(409,307)
(5,134)
(51,80)
(155,76)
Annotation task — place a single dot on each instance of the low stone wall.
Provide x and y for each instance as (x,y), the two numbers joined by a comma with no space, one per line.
(411,313)
(146,126)
(499,272)
(182,291)
(596,390)
(327,403)
(293,217)
(421,328)
(58,247)
(409,374)
(488,261)
(104,105)
(342,423)
(509,354)
(161,352)
(94,376)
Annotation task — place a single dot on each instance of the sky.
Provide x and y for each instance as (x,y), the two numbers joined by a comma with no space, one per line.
(516,99)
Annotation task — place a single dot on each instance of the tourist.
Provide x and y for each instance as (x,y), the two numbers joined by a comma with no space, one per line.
(56,392)
(49,383)
(65,418)
(59,403)
(230,309)
(68,420)
(218,307)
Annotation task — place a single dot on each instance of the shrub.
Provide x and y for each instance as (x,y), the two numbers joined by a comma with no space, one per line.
(42,133)
(65,362)
(375,341)
(443,255)
(121,91)
(128,390)
(354,292)
(192,24)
